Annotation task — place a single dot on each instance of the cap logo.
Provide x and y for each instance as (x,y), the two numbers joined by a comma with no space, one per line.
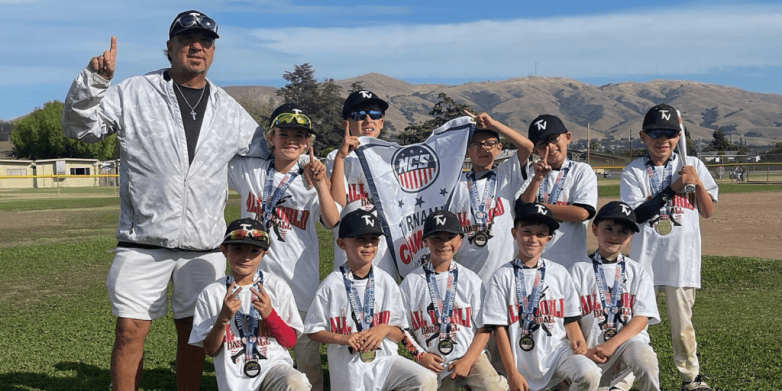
(541,209)
(416,167)
(626,210)
(368,220)
(439,220)
(541,124)
(246,227)
(296,111)
(365,94)
(664,114)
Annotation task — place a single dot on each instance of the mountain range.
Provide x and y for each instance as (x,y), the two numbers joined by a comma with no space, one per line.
(612,111)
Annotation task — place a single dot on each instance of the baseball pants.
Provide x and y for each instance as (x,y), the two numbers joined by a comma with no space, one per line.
(408,375)
(482,377)
(284,378)
(582,373)
(678,303)
(307,354)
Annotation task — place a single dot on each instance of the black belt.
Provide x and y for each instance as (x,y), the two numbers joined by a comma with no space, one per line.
(154,247)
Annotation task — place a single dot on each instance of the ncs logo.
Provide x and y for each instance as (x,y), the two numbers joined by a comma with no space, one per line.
(416,167)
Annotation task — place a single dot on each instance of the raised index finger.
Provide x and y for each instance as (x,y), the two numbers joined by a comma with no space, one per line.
(545,155)
(469,113)
(312,155)
(113,49)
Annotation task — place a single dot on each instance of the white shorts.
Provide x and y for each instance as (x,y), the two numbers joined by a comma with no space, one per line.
(138,281)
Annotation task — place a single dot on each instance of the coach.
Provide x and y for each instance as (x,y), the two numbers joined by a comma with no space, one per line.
(176,131)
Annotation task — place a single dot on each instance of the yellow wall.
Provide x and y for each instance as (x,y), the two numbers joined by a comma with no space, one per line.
(14,168)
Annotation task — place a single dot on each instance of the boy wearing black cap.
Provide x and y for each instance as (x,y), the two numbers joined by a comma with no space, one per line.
(484,197)
(669,242)
(534,309)
(248,320)
(443,302)
(274,193)
(617,302)
(363,114)
(567,188)
(358,312)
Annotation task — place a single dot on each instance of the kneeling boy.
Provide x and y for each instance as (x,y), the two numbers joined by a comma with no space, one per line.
(617,302)
(358,312)
(533,306)
(248,320)
(443,301)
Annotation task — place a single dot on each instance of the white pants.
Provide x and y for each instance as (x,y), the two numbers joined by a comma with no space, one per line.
(307,354)
(582,373)
(638,357)
(284,378)
(408,375)
(678,303)
(482,377)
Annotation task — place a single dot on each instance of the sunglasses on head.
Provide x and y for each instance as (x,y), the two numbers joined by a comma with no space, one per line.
(540,144)
(361,114)
(292,118)
(191,20)
(657,133)
(239,234)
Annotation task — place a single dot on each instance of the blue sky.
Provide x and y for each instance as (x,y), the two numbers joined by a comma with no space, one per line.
(47,42)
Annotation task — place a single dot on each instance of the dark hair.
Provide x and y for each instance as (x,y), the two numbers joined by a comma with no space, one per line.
(625,224)
(524,222)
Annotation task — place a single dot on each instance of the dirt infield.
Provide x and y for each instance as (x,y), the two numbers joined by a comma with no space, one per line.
(743,224)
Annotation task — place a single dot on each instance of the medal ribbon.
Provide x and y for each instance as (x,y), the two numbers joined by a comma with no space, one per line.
(251,321)
(528,304)
(553,196)
(443,309)
(271,199)
(659,180)
(364,321)
(481,207)
(610,309)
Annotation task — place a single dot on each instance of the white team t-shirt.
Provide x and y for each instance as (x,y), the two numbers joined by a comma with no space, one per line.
(358,196)
(559,300)
(569,244)
(229,362)
(637,299)
(465,319)
(673,259)
(331,311)
(484,261)
(294,251)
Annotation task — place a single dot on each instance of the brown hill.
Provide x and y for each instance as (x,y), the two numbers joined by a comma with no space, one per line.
(612,110)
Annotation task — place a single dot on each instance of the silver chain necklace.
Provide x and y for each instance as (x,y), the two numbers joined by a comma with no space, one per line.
(192,107)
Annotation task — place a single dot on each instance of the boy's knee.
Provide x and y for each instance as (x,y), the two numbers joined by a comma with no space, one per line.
(590,377)
(297,381)
(428,381)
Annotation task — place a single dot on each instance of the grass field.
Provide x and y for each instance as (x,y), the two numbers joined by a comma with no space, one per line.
(56,327)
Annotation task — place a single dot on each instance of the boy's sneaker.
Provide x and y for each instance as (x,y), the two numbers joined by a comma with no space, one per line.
(696,385)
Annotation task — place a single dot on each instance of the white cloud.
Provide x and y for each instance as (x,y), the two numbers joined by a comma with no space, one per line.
(692,40)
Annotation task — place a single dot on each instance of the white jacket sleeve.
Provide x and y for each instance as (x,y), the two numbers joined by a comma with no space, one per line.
(90,108)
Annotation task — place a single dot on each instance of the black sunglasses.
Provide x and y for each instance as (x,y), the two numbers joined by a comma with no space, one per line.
(657,133)
(360,115)
(191,20)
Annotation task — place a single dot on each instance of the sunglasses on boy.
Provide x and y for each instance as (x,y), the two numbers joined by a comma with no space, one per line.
(292,118)
(239,234)
(361,114)
(488,144)
(657,133)
(540,144)
(190,20)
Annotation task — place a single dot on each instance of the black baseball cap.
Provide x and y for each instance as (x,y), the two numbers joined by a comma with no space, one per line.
(535,213)
(358,223)
(296,120)
(662,116)
(543,126)
(247,231)
(617,211)
(193,20)
(362,98)
(442,221)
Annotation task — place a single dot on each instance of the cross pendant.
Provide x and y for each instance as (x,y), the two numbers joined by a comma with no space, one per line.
(193,113)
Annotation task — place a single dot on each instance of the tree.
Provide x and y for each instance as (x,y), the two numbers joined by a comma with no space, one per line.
(322,102)
(443,111)
(594,145)
(720,142)
(39,136)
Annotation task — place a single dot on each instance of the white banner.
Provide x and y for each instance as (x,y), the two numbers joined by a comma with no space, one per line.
(407,183)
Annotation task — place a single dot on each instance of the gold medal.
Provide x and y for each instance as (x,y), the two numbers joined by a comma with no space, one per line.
(664,226)
(368,356)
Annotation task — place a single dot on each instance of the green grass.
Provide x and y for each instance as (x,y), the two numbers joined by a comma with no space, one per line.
(57,331)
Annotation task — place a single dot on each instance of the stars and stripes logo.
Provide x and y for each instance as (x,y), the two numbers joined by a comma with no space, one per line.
(416,167)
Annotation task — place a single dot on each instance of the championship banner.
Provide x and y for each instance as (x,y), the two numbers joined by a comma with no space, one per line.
(408,183)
